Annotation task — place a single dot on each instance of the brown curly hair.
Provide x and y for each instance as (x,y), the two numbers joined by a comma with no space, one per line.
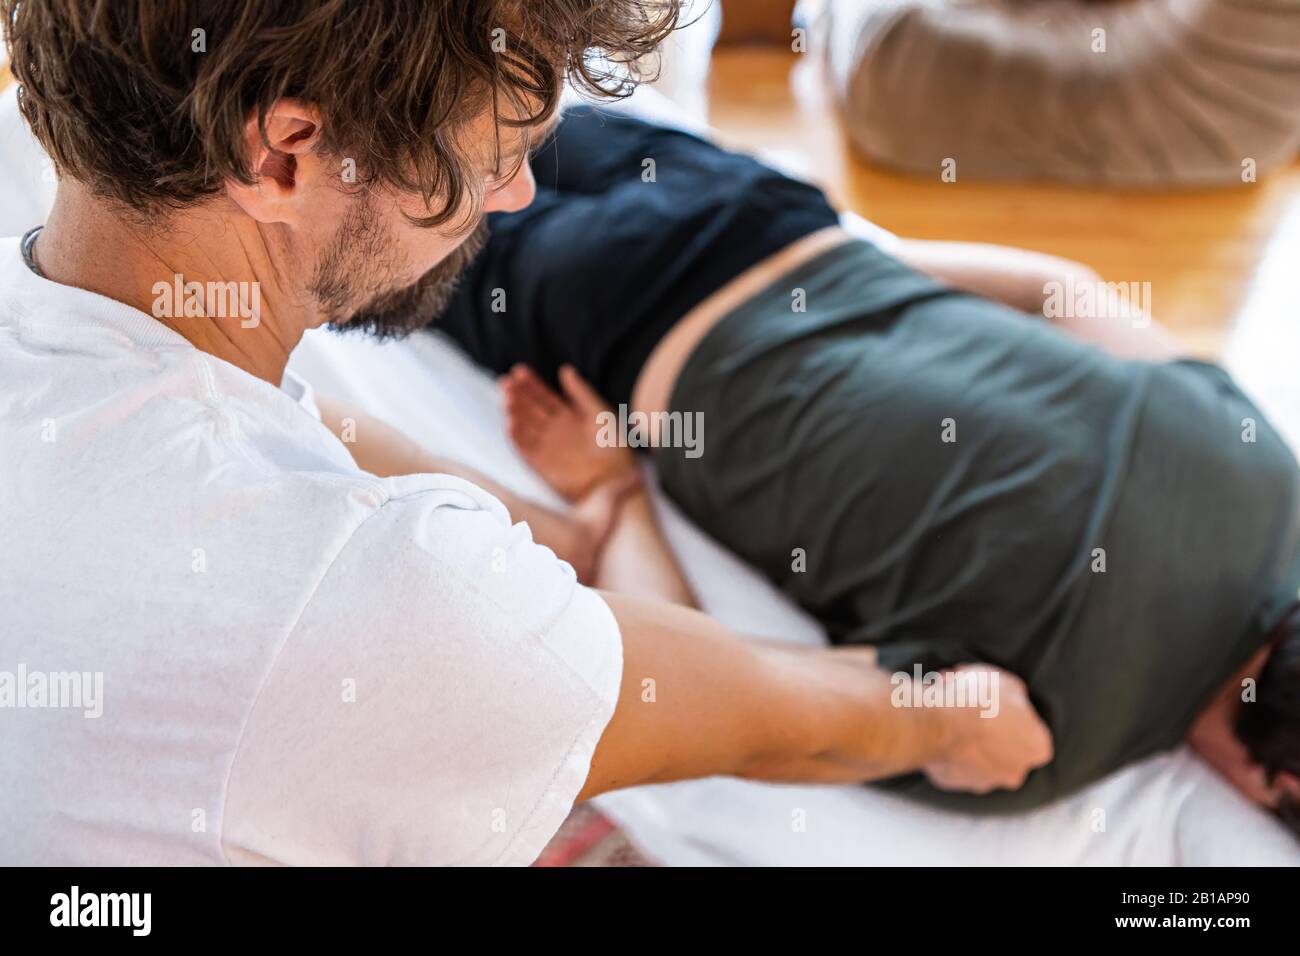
(146,101)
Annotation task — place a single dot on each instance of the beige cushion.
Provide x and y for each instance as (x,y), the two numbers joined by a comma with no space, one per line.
(1184,92)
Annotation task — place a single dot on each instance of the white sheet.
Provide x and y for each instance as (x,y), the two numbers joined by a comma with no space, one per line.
(1168,810)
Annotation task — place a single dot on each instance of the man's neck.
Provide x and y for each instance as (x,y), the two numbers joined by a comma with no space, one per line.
(257,322)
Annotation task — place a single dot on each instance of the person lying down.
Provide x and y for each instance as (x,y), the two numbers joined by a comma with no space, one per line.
(918,463)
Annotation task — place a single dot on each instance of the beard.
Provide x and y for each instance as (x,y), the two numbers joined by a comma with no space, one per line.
(356,267)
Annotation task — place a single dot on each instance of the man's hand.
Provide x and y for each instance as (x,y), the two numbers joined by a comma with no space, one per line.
(990,752)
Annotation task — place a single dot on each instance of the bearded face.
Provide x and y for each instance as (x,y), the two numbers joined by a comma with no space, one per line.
(359,280)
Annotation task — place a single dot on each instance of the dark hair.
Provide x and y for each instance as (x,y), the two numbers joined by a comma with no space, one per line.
(131,99)
(1269,726)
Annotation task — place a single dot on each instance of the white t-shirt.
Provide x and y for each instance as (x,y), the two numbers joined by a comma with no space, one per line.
(293,661)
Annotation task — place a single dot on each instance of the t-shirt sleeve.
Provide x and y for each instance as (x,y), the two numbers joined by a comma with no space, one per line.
(438,701)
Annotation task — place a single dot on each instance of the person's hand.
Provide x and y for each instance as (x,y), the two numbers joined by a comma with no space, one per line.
(993,742)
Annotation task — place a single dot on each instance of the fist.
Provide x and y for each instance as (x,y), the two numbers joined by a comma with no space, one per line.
(993,737)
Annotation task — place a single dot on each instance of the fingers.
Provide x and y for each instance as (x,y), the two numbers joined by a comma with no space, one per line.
(522,388)
(959,780)
(1034,735)
(529,405)
(522,385)
(585,399)
(999,744)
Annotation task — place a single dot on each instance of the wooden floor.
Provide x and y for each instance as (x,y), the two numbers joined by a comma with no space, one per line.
(1210,255)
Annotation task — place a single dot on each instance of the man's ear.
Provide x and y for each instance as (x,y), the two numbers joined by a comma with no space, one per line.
(292,132)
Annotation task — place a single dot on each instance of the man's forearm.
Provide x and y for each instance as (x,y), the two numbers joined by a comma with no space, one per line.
(699,701)
(384,451)
(849,729)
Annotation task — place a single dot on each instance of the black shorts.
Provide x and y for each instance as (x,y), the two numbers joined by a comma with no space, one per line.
(633,225)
